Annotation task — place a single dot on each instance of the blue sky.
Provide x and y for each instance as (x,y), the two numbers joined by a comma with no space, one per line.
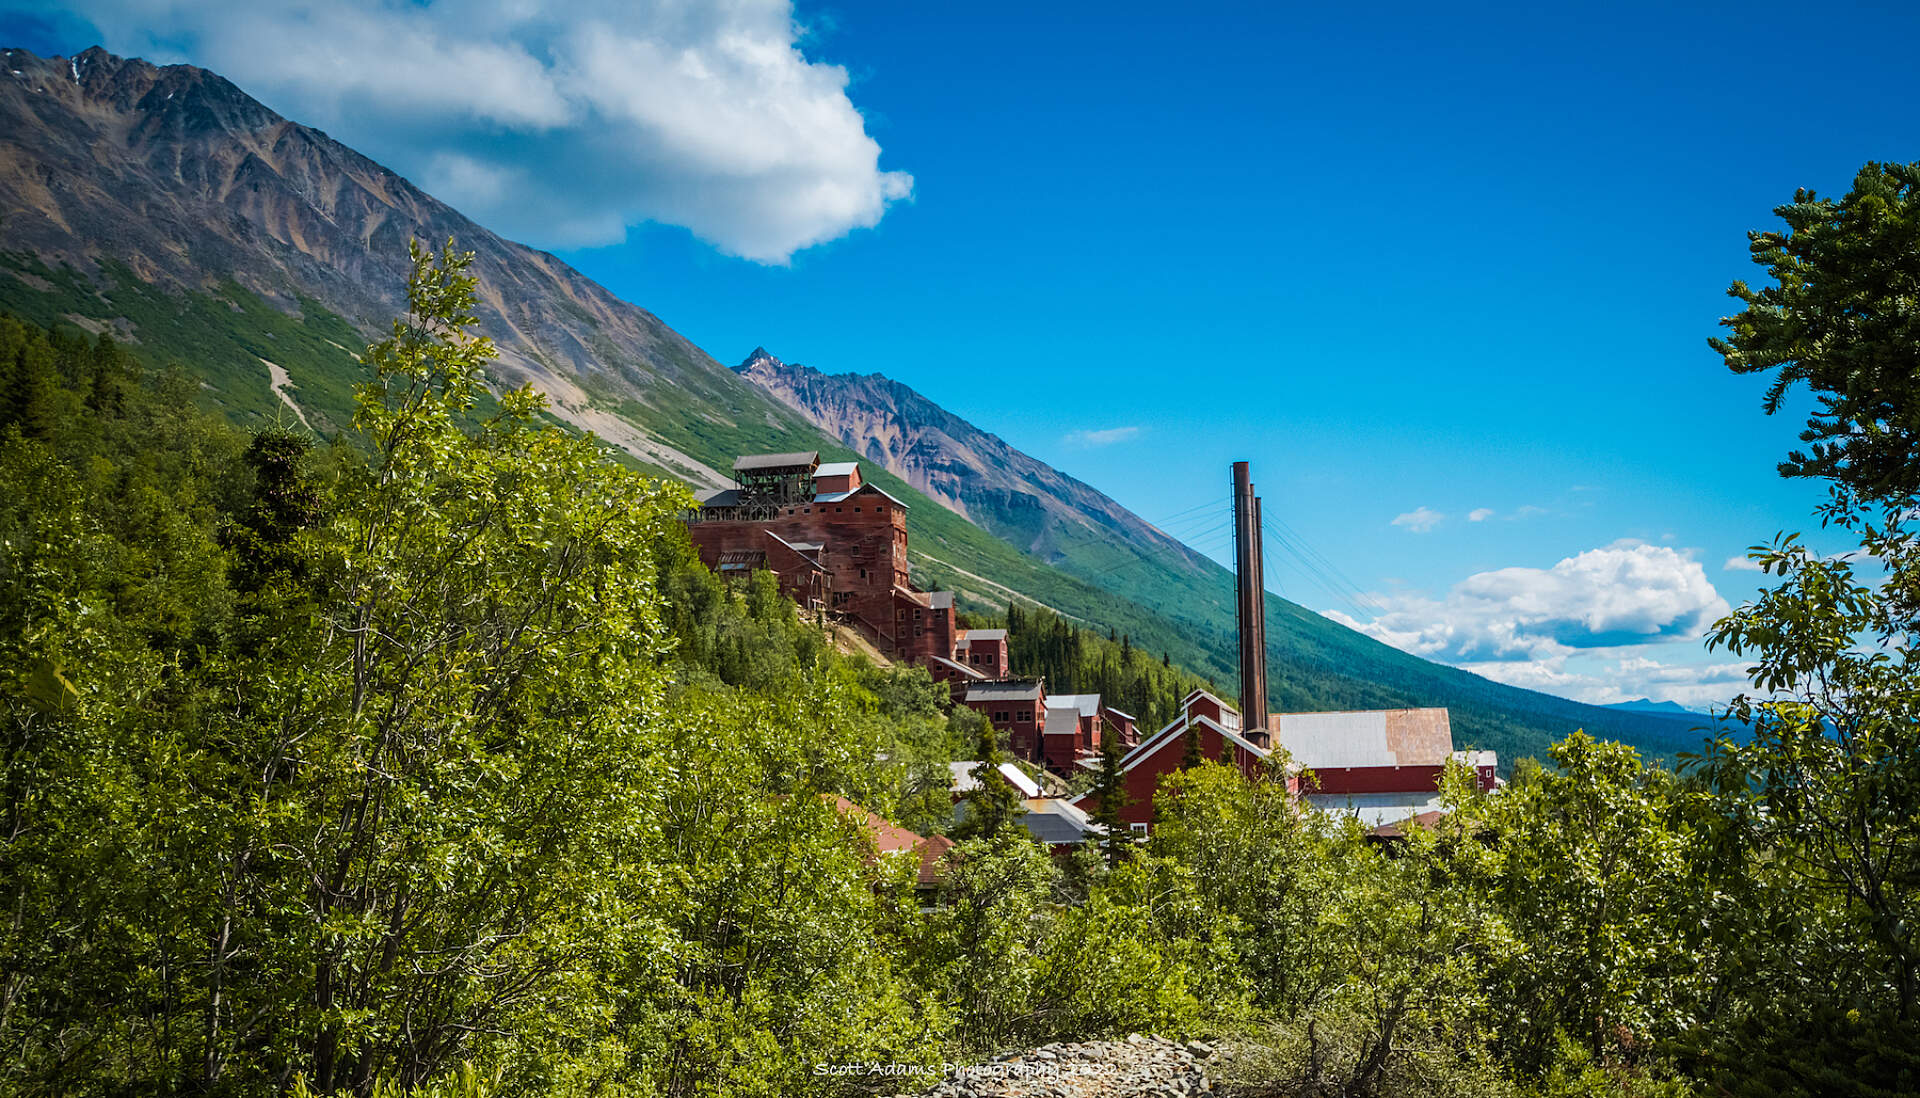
(1414,264)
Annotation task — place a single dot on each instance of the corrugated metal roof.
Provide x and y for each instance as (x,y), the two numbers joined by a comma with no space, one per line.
(964,781)
(1052,820)
(969,672)
(1087,705)
(1004,690)
(726,497)
(971,635)
(837,469)
(872,487)
(1061,720)
(1375,737)
(1374,809)
(940,600)
(775,461)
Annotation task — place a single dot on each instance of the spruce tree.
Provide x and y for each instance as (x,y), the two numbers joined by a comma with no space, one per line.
(1191,755)
(992,803)
(1110,791)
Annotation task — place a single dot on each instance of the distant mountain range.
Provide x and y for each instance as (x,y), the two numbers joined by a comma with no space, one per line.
(169,208)
(1648,705)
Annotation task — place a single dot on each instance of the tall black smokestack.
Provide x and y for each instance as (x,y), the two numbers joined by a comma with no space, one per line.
(1252,607)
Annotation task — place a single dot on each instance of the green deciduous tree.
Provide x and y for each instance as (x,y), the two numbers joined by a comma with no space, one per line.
(1843,316)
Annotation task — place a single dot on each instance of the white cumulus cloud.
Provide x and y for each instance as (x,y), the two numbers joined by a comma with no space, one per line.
(559,124)
(1742,563)
(1624,594)
(1419,520)
(1480,514)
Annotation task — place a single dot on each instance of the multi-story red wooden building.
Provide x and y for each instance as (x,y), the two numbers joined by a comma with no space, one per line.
(834,542)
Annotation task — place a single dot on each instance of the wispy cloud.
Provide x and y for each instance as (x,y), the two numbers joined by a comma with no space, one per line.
(1419,520)
(560,124)
(1104,437)
(1742,563)
(1480,514)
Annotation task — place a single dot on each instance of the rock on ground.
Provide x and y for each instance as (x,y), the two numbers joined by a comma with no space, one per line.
(1134,1068)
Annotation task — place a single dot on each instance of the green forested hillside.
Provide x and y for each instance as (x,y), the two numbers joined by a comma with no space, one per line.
(223,337)
(165,206)
(432,763)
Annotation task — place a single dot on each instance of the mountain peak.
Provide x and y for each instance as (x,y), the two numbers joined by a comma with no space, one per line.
(760,357)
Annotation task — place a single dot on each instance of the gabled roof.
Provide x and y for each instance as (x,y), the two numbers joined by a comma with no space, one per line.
(837,469)
(963,669)
(1087,705)
(1198,692)
(940,600)
(1174,730)
(725,497)
(1055,820)
(968,636)
(1061,720)
(1005,690)
(747,462)
(870,486)
(804,549)
(1122,716)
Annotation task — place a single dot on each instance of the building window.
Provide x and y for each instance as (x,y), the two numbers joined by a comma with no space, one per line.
(1001,716)
(917,630)
(1140,828)
(1026,714)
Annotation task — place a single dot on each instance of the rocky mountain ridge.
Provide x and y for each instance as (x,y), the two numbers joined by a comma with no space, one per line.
(177,173)
(976,473)
(167,207)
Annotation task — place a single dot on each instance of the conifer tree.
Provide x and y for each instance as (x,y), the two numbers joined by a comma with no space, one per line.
(1191,755)
(1110,790)
(992,803)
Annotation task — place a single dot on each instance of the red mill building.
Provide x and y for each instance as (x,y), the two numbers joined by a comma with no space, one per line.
(834,543)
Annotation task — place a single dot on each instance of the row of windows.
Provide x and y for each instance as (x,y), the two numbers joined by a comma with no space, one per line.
(836,510)
(1002,716)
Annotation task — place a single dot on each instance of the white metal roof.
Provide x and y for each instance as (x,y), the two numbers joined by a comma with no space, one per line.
(837,469)
(1081,703)
(963,779)
(1374,809)
(1062,720)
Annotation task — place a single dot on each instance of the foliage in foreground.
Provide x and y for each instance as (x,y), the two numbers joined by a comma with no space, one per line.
(434,763)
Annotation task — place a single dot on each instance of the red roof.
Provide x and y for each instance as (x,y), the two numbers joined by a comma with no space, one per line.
(1424,821)
(891,838)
